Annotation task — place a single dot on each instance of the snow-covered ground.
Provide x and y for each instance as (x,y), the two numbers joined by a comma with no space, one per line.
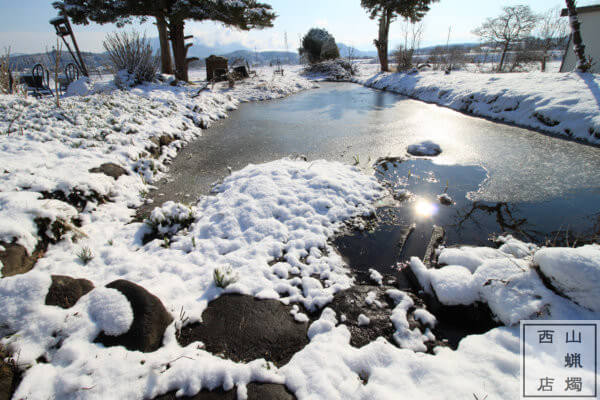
(564,104)
(282,211)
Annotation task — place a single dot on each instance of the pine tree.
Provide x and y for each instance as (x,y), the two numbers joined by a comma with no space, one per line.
(582,64)
(171,16)
(386,11)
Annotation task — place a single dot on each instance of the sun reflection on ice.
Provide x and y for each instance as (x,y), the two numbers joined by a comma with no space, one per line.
(425,208)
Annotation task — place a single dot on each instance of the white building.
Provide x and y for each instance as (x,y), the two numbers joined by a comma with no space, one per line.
(589,18)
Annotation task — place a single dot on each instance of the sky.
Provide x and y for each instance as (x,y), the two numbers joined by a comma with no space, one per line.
(24,24)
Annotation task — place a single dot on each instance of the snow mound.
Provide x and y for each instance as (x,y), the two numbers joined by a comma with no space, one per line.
(170,218)
(324,324)
(110,310)
(80,87)
(425,148)
(507,281)
(405,337)
(574,272)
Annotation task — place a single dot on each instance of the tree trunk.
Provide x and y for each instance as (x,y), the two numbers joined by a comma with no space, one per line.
(544,61)
(179,50)
(503,57)
(382,41)
(582,64)
(166,64)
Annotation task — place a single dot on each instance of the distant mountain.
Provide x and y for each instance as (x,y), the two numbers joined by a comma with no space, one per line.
(264,57)
(345,50)
(93,61)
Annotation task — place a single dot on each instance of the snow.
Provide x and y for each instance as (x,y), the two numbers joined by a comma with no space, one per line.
(574,272)
(375,276)
(18,211)
(298,316)
(110,310)
(425,148)
(405,337)
(324,324)
(285,211)
(80,87)
(363,320)
(507,281)
(564,104)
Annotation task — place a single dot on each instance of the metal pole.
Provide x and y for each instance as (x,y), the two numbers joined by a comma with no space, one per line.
(83,68)
(72,55)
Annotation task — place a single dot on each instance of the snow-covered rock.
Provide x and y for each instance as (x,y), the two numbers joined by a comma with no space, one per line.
(425,148)
(575,272)
(80,87)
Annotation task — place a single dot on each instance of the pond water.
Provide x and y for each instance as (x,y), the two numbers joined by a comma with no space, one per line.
(501,178)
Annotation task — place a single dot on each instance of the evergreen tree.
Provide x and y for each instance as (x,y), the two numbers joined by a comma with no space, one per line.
(318,45)
(387,11)
(171,16)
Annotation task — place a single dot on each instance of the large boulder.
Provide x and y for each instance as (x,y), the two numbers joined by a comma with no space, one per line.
(573,272)
(150,319)
(65,291)
(243,328)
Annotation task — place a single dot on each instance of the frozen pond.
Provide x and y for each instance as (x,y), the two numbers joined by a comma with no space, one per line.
(498,175)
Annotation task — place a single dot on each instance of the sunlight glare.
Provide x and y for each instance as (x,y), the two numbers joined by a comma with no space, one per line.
(425,208)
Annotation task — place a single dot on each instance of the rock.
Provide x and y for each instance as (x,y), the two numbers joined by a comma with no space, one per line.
(150,319)
(425,148)
(445,199)
(256,391)
(15,259)
(110,169)
(243,328)
(9,377)
(573,272)
(351,303)
(65,291)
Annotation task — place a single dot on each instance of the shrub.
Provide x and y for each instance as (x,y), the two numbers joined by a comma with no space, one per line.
(318,45)
(337,70)
(6,84)
(224,277)
(170,218)
(403,58)
(132,59)
(85,255)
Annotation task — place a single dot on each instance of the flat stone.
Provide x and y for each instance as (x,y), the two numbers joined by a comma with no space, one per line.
(15,259)
(150,319)
(256,391)
(351,303)
(110,169)
(243,328)
(65,291)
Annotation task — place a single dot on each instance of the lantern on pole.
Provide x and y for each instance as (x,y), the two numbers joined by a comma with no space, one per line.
(63,29)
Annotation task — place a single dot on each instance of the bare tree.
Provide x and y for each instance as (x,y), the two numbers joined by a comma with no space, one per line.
(413,33)
(551,29)
(513,25)
(583,65)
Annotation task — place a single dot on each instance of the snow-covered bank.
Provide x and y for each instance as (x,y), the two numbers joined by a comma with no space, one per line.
(564,104)
(51,150)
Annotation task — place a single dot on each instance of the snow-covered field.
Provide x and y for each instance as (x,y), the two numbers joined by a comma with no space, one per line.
(564,104)
(266,229)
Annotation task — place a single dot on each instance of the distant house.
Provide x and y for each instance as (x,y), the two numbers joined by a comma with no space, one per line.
(589,18)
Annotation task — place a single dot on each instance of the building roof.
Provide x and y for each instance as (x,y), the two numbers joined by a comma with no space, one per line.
(581,10)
